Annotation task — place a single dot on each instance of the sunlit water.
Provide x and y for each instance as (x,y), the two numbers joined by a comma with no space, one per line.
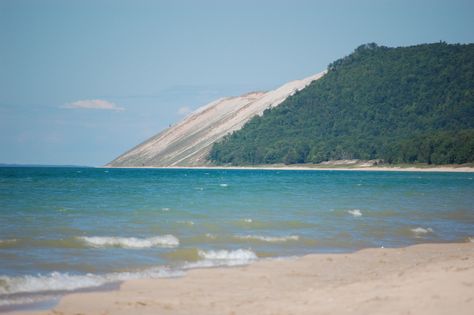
(65,229)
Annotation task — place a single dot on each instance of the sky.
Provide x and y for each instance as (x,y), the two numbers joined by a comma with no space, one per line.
(83,81)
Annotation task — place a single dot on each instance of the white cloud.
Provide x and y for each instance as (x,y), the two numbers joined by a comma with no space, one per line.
(93,104)
(184,110)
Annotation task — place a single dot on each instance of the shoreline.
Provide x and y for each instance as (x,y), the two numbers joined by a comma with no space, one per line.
(452,169)
(422,279)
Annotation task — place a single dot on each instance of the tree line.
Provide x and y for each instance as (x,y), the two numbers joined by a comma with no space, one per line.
(402,105)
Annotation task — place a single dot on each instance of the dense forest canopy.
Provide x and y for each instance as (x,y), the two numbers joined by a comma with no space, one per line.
(402,105)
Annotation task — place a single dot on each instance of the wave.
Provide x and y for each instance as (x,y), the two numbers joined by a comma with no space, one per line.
(421,231)
(59,282)
(131,242)
(239,254)
(355,212)
(214,258)
(273,239)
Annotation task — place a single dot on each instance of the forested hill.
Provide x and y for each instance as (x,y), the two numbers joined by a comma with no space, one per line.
(407,104)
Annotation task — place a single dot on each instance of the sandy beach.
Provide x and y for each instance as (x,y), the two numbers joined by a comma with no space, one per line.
(420,279)
(454,169)
(318,167)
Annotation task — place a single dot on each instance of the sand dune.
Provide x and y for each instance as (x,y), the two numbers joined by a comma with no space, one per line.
(188,142)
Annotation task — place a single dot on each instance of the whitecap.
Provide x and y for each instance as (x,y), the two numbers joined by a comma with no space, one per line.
(223,185)
(131,242)
(355,212)
(165,209)
(247,220)
(269,238)
(420,230)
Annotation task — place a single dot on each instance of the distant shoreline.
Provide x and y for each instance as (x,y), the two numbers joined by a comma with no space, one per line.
(278,167)
(456,169)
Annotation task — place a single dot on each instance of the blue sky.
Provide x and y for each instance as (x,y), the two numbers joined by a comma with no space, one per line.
(84,81)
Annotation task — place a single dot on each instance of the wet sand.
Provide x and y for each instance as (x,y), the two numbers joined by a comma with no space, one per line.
(420,279)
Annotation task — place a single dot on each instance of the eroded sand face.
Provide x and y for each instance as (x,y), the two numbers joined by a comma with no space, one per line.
(421,279)
(189,142)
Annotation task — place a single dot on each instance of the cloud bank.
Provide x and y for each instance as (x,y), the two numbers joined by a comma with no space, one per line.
(93,104)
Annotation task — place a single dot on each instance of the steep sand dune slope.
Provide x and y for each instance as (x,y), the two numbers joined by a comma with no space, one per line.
(188,142)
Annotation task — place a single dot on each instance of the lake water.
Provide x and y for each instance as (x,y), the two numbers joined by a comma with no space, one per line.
(64,229)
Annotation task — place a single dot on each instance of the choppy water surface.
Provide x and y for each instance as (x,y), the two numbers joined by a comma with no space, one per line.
(64,229)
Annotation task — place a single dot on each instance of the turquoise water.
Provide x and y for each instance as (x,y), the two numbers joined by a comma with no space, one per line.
(64,229)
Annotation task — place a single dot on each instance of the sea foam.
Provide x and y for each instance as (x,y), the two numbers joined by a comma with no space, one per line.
(213,258)
(355,212)
(239,254)
(131,242)
(420,230)
(57,281)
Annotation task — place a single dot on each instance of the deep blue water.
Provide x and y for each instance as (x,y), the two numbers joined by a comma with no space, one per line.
(69,228)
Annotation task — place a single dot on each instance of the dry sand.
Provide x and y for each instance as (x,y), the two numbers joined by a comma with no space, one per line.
(421,279)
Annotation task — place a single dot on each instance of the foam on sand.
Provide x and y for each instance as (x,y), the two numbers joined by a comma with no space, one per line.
(131,242)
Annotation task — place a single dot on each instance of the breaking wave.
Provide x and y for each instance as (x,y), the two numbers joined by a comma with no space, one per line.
(214,258)
(57,281)
(131,242)
(355,212)
(421,231)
